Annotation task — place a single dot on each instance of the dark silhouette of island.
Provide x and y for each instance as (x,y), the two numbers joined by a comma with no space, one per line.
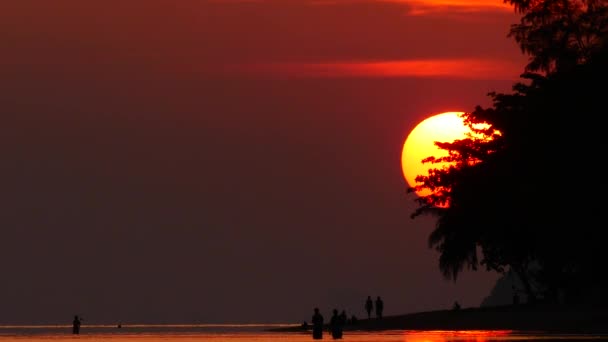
(504,290)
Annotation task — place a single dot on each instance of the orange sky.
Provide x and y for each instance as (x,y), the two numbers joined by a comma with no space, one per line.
(164,157)
(421,7)
(212,36)
(474,69)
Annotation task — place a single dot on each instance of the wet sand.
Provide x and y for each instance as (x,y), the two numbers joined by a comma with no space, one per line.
(523,318)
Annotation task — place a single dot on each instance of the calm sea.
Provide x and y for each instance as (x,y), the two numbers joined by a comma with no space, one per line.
(259,333)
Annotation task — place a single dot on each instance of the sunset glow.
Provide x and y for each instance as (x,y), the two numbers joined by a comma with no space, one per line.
(429,68)
(419,7)
(420,144)
(451,335)
(415,6)
(202,134)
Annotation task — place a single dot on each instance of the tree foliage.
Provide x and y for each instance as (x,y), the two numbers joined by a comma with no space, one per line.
(558,34)
(526,192)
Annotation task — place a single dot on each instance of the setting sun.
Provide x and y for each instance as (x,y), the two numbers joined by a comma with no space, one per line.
(420,144)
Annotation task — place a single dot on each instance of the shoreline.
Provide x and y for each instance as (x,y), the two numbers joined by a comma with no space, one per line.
(550,319)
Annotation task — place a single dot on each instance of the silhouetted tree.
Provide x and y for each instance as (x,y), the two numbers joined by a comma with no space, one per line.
(560,33)
(533,167)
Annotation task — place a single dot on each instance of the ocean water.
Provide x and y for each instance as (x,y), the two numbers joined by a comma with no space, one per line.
(259,333)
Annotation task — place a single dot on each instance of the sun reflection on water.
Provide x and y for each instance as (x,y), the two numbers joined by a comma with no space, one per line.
(456,335)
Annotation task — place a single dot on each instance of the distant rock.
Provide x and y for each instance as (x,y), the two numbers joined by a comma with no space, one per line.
(503,291)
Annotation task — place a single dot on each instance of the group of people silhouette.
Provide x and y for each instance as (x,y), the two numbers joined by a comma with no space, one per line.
(338,321)
(336,324)
(369,307)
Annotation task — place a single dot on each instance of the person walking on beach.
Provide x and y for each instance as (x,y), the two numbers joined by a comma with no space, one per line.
(379,307)
(369,306)
(317,325)
(76,325)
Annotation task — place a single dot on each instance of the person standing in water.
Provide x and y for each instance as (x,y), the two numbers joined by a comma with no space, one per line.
(76,325)
(317,325)
(336,324)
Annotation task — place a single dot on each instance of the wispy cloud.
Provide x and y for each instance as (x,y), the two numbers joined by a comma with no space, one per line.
(477,69)
(419,7)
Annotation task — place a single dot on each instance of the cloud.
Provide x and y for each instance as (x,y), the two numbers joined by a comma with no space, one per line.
(463,68)
(411,7)
(421,7)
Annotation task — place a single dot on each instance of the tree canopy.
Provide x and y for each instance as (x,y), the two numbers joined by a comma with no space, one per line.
(559,34)
(526,195)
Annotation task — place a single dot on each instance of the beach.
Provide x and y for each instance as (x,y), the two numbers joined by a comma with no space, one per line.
(553,319)
(505,324)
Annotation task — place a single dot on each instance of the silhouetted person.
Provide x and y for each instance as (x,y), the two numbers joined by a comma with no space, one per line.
(354,320)
(379,307)
(336,325)
(317,325)
(343,317)
(456,306)
(76,325)
(369,306)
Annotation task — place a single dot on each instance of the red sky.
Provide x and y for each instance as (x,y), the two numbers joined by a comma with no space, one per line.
(229,161)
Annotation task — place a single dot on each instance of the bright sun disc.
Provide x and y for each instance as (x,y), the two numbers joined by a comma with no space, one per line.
(420,144)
